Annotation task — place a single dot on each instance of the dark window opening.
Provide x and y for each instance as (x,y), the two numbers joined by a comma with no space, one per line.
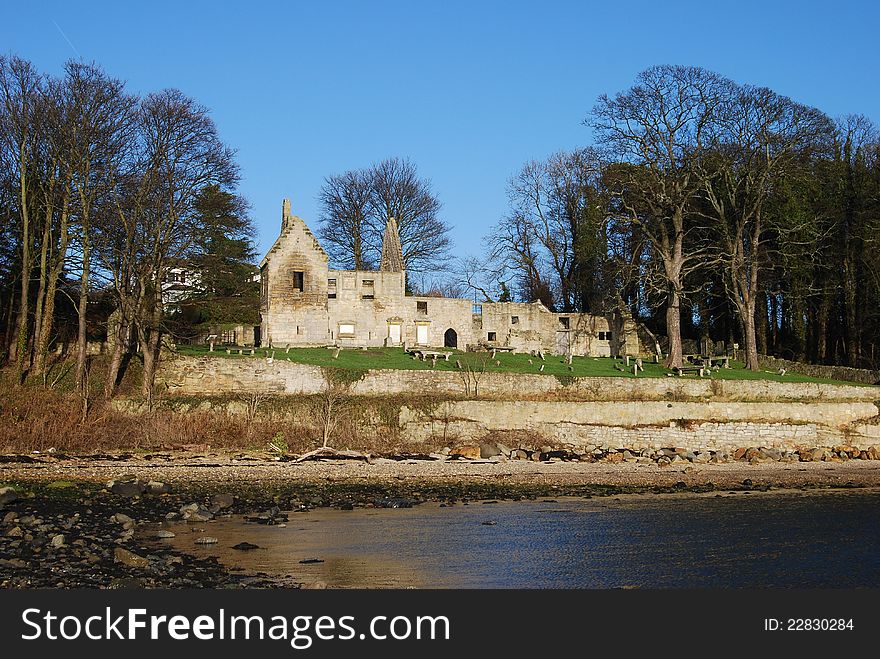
(604,336)
(514,320)
(422,307)
(368,296)
(298,281)
(492,336)
(564,322)
(331,296)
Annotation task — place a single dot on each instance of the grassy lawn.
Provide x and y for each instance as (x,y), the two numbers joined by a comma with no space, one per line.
(377,358)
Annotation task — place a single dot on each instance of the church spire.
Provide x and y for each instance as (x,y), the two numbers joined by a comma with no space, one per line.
(392,254)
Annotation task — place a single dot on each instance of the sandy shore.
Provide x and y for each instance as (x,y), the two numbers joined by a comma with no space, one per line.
(218,470)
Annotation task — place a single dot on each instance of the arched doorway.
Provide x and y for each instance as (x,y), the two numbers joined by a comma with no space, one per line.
(450,339)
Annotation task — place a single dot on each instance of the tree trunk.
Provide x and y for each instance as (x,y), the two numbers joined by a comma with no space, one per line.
(822,329)
(122,332)
(39,310)
(41,350)
(762,324)
(150,346)
(19,348)
(8,335)
(82,310)
(151,340)
(673,330)
(851,311)
(747,311)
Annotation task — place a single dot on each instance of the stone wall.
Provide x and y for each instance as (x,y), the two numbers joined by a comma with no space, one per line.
(844,373)
(654,425)
(582,413)
(221,375)
(304,303)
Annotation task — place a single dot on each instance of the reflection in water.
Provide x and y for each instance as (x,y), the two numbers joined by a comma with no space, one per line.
(742,540)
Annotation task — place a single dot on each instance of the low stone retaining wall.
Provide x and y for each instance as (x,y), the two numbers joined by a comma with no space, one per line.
(650,425)
(220,376)
(844,373)
(586,414)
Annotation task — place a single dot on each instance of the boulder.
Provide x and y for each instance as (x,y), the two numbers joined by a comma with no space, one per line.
(771,453)
(753,455)
(129,558)
(157,487)
(488,450)
(466,451)
(193,512)
(127,488)
(8,495)
(245,546)
(222,501)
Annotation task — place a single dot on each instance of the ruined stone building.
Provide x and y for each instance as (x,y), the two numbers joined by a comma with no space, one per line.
(306,303)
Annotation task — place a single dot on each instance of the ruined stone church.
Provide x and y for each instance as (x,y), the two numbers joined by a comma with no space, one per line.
(306,303)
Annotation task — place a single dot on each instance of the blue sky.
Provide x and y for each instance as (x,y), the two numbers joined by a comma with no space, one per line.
(468,90)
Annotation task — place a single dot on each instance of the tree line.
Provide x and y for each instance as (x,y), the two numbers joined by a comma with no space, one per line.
(101,191)
(706,209)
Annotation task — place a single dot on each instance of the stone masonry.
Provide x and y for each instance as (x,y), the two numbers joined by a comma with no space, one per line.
(305,303)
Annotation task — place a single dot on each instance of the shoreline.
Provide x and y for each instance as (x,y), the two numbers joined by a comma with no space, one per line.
(211,470)
(76,522)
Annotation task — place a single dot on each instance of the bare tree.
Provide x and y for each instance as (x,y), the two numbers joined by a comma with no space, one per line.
(557,218)
(760,135)
(184,154)
(330,404)
(661,127)
(516,250)
(21,93)
(356,206)
(482,276)
(177,154)
(347,230)
(103,115)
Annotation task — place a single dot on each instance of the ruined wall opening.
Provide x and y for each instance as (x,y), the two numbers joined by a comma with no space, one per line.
(450,338)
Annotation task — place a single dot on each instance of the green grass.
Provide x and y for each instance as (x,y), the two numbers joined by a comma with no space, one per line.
(396,358)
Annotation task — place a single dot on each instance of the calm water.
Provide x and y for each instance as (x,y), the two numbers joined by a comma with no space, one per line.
(741,540)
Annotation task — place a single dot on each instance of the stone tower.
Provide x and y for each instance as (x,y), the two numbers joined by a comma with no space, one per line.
(392,253)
